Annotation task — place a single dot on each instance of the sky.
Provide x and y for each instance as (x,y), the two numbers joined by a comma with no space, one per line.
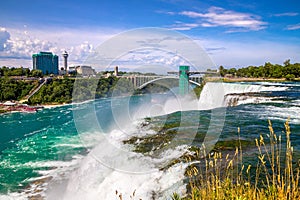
(234,33)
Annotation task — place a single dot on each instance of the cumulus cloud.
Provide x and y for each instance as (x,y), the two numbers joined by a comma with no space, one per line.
(216,16)
(20,45)
(4,37)
(25,47)
(81,51)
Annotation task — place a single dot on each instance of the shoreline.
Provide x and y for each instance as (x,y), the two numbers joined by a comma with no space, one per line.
(38,107)
(243,79)
(7,109)
(49,106)
(35,108)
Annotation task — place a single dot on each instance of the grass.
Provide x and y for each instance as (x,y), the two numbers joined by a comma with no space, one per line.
(274,176)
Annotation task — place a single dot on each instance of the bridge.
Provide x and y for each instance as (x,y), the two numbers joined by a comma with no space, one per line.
(183,75)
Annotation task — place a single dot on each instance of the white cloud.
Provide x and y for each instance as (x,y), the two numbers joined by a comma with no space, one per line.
(18,45)
(293,27)
(179,26)
(287,14)
(4,37)
(217,16)
(81,51)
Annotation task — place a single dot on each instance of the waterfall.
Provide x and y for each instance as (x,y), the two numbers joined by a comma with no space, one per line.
(219,94)
(111,171)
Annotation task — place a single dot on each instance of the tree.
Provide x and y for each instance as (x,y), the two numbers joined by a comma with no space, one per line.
(290,77)
(222,71)
(36,73)
(287,62)
(232,71)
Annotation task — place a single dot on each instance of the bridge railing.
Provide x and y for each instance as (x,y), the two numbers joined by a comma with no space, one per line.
(138,81)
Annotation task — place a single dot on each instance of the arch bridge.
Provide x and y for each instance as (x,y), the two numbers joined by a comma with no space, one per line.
(184,76)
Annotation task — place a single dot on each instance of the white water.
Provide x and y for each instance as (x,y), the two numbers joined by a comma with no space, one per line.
(108,169)
(214,95)
(282,113)
(112,167)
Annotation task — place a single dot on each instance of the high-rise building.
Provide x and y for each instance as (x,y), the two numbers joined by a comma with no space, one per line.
(47,62)
(65,55)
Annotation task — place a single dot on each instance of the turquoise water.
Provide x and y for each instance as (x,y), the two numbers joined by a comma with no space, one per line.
(28,140)
(49,142)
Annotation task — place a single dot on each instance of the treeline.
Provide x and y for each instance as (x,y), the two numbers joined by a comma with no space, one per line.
(268,70)
(11,89)
(68,90)
(20,71)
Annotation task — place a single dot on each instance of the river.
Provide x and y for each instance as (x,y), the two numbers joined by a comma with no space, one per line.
(78,151)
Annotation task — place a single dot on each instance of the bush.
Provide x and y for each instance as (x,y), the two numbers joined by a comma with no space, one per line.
(290,77)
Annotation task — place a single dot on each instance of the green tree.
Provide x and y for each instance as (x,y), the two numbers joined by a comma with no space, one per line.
(287,62)
(222,71)
(36,73)
(290,77)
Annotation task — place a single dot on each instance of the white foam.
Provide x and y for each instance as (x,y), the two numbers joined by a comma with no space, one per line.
(111,166)
(13,196)
(95,180)
(214,95)
(281,113)
(159,106)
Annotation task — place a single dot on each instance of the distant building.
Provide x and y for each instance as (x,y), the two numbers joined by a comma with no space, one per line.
(116,72)
(47,62)
(83,70)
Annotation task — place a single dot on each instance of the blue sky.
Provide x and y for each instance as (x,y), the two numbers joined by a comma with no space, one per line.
(234,33)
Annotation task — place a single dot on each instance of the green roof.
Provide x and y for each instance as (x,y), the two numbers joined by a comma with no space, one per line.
(43,53)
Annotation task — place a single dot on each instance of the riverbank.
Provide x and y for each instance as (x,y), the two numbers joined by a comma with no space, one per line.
(19,107)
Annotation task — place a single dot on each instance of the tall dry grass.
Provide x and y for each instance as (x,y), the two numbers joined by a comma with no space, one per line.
(274,175)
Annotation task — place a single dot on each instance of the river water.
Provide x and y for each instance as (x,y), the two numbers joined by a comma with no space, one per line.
(77,151)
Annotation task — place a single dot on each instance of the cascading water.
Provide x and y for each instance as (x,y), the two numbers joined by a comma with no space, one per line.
(60,162)
(216,95)
(111,170)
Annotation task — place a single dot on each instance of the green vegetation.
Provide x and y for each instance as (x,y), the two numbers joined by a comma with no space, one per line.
(287,70)
(5,71)
(66,90)
(165,134)
(274,176)
(57,91)
(198,89)
(14,89)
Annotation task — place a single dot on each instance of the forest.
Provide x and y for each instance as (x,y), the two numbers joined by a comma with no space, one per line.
(20,71)
(268,70)
(11,89)
(69,90)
